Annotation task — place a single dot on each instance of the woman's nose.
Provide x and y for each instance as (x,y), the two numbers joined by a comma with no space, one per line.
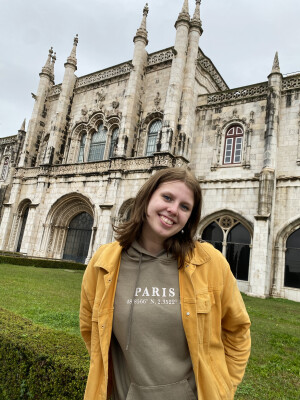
(173,208)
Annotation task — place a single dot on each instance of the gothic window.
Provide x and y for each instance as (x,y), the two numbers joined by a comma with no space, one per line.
(81,148)
(233,145)
(114,137)
(292,261)
(23,224)
(214,235)
(5,168)
(98,143)
(78,238)
(233,240)
(154,128)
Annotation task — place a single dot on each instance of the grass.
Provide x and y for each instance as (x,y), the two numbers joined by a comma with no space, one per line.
(51,297)
(48,297)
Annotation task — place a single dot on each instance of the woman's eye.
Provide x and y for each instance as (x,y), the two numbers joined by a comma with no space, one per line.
(184,207)
(168,198)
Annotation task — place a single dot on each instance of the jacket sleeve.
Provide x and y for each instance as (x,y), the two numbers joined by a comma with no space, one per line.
(235,329)
(88,290)
(85,318)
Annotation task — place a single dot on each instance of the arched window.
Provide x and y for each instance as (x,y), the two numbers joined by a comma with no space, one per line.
(81,148)
(5,168)
(98,143)
(78,238)
(233,145)
(154,128)
(114,137)
(24,220)
(233,240)
(292,261)
(214,235)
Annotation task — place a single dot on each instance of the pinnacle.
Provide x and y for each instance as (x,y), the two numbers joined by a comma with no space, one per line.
(275,67)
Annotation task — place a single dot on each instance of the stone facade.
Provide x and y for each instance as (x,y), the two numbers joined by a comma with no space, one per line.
(87,150)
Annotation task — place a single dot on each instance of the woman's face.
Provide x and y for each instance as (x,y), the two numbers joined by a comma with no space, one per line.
(168,211)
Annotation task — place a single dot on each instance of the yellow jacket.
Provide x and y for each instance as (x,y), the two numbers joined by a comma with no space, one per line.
(214,318)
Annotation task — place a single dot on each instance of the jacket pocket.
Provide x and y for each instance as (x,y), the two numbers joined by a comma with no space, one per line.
(223,381)
(175,391)
(203,308)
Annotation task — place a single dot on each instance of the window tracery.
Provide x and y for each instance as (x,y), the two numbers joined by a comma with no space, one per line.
(233,239)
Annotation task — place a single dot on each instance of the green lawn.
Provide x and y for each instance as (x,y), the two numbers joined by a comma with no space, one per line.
(51,297)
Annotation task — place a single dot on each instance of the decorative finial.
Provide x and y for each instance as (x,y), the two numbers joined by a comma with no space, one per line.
(72,58)
(76,40)
(142,31)
(146,10)
(276,67)
(47,67)
(196,21)
(184,15)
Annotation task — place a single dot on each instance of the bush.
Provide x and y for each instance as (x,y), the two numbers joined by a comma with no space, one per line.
(39,363)
(41,262)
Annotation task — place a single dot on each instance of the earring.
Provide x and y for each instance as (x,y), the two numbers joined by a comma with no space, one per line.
(182,231)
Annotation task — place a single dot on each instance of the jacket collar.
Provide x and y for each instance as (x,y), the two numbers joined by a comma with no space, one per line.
(199,257)
(109,256)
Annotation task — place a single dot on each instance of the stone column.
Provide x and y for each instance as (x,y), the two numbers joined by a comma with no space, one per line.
(174,91)
(131,105)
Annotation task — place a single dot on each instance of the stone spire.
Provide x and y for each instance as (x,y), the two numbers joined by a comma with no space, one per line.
(47,67)
(52,67)
(184,14)
(23,125)
(142,33)
(275,68)
(72,60)
(196,21)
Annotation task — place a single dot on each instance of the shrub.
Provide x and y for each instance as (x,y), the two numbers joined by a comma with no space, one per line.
(41,262)
(40,363)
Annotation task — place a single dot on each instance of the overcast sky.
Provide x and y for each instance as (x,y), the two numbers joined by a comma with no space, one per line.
(240,37)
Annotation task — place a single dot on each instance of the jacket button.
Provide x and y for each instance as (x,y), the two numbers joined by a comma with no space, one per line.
(187,313)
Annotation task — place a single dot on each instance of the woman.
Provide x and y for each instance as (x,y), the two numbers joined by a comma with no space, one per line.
(161,314)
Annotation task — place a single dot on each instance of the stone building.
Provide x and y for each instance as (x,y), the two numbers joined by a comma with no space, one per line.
(93,140)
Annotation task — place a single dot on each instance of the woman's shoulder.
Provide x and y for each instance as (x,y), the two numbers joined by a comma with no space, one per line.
(206,252)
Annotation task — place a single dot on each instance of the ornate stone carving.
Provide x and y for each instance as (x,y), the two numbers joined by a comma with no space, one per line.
(291,82)
(115,104)
(103,75)
(160,57)
(157,101)
(243,93)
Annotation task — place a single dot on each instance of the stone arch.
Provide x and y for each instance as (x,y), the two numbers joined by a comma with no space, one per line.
(278,288)
(61,213)
(125,209)
(18,225)
(232,234)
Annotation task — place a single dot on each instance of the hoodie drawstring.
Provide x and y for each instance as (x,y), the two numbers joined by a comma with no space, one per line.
(131,306)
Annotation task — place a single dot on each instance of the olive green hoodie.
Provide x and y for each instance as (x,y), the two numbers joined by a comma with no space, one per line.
(150,353)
